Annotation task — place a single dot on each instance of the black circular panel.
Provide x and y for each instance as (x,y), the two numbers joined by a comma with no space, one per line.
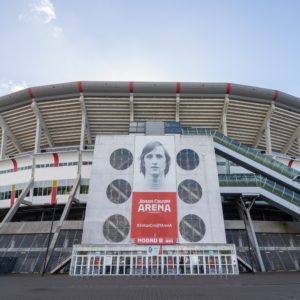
(187,159)
(116,228)
(118,191)
(121,159)
(189,191)
(192,228)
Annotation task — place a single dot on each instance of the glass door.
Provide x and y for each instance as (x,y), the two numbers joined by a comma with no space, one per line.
(121,270)
(212,264)
(139,265)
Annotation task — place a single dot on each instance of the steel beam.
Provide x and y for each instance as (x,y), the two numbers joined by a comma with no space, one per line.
(61,265)
(245,264)
(37,143)
(296,135)
(264,124)
(223,122)
(177,107)
(85,129)
(268,138)
(10,135)
(131,101)
(10,214)
(41,126)
(61,221)
(251,231)
(3,143)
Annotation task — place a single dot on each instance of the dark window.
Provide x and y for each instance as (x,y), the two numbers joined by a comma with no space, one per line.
(116,228)
(121,159)
(192,228)
(189,191)
(118,191)
(84,189)
(187,159)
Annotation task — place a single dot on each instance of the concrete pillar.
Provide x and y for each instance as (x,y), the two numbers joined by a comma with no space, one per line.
(224,115)
(251,232)
(268,138)
(224,125)
(177,107)
(82,134)
(3,143)
(131,107)
(37,144)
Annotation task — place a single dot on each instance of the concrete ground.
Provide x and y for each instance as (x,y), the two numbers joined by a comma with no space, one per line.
(243,287)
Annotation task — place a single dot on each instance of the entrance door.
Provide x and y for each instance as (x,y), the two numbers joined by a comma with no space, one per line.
(169,264)
(212,264)
(155,265)
(138,265)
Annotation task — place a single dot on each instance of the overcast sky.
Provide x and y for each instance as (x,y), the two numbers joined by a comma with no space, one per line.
(254,42)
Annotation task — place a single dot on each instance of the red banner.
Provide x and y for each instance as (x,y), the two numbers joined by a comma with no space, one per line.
(154,218)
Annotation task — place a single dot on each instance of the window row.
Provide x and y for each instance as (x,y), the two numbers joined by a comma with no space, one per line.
(50,165)
(62,164)
(44,191)
(7,194)
(18,169)
(61,190)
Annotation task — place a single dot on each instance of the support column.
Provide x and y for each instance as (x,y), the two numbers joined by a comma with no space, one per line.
(3,143)
(223,126)
(251,231)
(63,217)
(83,127)
(10,135)
(224,115)
(8,217)
(37,145)
(131,107)
(32,176)
(265,127)
(298,146)
(177,107)
(268,137)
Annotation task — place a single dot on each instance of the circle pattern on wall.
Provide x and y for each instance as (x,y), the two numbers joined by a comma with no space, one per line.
(118,191)
(116,228)
(187,159)
(192,228)
(189,191)
(121,159)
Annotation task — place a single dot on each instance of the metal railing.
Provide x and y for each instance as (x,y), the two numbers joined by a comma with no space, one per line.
(244,150)
(253,180)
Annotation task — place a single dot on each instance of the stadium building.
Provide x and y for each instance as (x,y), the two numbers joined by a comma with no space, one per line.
(143,178)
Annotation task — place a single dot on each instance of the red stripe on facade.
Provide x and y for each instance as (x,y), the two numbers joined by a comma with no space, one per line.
(53,195)
(56,159)
(12,198)
(178,87)
(275,96)
(130,86)
(30,94)
(290,163)
(80,86)
(228,88)
(15,165)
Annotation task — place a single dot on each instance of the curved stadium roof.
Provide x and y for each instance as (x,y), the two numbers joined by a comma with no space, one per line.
(110,106)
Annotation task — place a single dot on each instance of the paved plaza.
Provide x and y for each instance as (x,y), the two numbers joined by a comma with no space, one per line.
(243,287)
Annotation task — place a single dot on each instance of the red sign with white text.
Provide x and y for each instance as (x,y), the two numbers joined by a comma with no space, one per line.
(154,218)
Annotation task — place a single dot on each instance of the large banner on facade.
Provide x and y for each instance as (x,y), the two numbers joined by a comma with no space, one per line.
(154,207)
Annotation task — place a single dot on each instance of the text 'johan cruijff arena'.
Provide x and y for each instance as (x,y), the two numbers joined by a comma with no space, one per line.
(144,178)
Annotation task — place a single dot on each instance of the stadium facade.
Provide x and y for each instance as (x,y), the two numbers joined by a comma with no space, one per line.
(143,178)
